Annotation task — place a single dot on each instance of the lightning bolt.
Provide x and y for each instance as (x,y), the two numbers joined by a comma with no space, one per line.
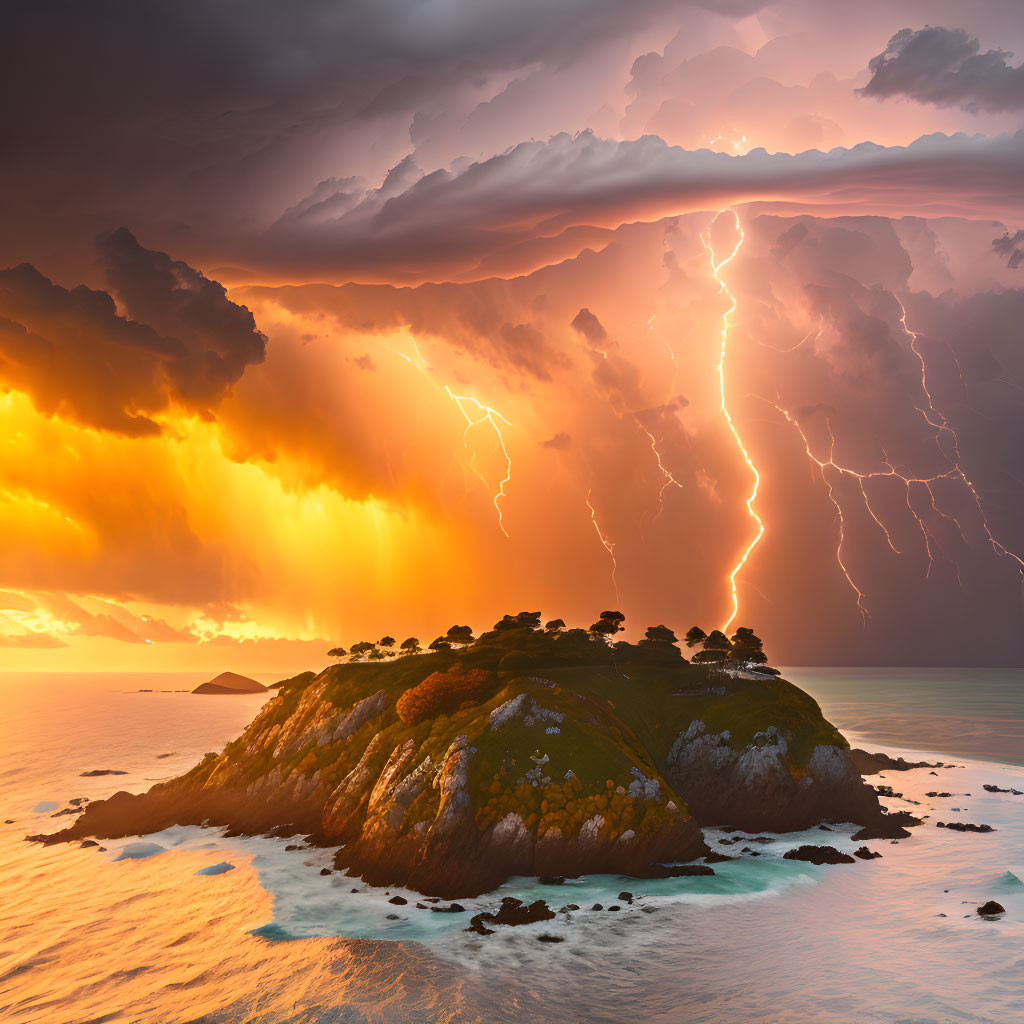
(484,414)
(608,545)
(830,466)
(669,479)
(943,427)
(489,416)
(717,266)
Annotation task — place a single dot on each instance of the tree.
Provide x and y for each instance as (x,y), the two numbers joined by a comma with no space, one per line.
(337,652)
(716,640)
(554,625)
(710,657)
(440,644)
(662,641)
(659,635)
(527,620)
(695,635)
(460,635)
(410,646)
(375,655)
(747,646)
(363,647)
(608,624)
(386,641)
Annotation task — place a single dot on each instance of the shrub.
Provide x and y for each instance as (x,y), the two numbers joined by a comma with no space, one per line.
(441,693)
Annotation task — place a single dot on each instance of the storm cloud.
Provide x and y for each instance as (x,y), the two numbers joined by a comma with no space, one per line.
(946,67)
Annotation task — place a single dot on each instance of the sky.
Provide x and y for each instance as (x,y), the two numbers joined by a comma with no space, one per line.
(331,320)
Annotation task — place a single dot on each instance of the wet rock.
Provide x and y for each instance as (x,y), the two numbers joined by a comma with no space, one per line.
(288,849)
(597,906)
(613,908)
(889,826)
(818,855)
(422,906)
(326,871)
(282,831)
(964,826)
(715,858)
(398,901)
(100,771)
(991,909)
(85,843)
(626,897)
(569,907)
(545,937)
(392,917)
(551,879)
(995,789)
(938,795)
(649,910)
(78,801)
(872,764)
(452,908)
(511,912)
(865,854)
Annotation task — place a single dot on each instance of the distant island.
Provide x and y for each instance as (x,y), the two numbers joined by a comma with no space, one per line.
(230,682)
(526,751)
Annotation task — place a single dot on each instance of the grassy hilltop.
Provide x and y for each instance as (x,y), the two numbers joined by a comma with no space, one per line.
(521,752)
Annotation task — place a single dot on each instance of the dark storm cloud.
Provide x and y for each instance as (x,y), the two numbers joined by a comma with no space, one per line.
(560,442)
(185,114)
(589,326)
(1009,246)
(77,357)
(944,66)
(447,221)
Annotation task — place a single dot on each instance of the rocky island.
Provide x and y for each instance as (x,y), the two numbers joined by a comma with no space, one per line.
(527,751)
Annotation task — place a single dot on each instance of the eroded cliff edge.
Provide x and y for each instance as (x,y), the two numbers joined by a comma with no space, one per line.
(522,753)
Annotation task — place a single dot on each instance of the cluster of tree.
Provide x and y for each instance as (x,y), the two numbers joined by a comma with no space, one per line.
(744,647)
(457,636)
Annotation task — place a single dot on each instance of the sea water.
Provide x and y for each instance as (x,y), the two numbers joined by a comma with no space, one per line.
(187,926)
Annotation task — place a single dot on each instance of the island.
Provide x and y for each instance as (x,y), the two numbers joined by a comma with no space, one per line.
(526,751)
(230,682)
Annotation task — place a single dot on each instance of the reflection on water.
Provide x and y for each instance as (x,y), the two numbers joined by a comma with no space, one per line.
(86,937)
(976,712)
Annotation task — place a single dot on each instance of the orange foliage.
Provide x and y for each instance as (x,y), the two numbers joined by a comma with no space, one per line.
(441,693)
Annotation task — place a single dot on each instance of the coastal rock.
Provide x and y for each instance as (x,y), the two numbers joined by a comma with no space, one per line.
(989,788)
(511,912)
(818,855)
(964,826)
(865,854)
(991,909)
(230,683)
(552,764)
(888,826)
(872,764)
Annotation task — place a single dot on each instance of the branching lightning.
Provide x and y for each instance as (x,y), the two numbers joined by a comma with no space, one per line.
(490,416)
(943,427)
(717,266)
(608,544)
(476,414)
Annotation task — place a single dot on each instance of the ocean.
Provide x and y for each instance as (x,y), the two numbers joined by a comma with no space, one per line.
(187,927)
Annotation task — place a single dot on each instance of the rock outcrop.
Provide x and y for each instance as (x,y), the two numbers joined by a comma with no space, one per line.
(527,753)
(230,682)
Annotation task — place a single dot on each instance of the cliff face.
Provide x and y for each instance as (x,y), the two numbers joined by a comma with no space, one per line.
(522,754)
